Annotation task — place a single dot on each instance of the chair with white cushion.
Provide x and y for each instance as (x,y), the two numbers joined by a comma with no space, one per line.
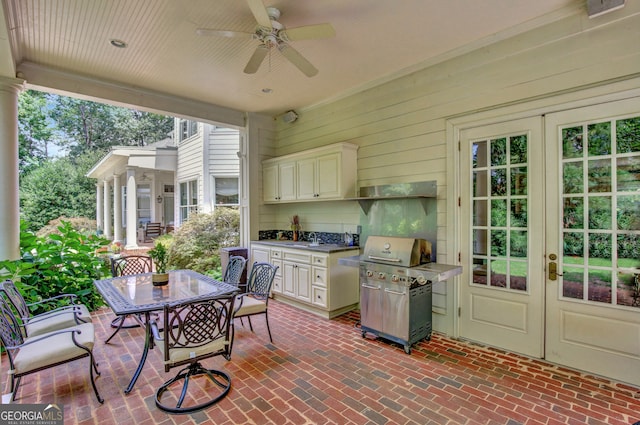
(32,354)
(194,331)
(255,300)
(54,319)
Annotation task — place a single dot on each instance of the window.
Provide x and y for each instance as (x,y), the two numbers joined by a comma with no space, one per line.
(188,199)
(188,128)
(144,204)
(225,191)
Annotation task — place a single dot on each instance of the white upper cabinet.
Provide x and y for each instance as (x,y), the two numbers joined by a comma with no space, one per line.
(323,173)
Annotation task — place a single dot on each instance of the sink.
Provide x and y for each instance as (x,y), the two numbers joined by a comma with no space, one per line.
(314,244)
(301,245)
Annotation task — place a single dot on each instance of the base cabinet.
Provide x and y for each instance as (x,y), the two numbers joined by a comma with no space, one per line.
(313,281)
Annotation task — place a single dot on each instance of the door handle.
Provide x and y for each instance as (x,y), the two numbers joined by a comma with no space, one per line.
(553,267)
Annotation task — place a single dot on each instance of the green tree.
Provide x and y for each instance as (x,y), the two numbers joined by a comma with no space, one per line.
(35,132)
(90,125)
(58,188)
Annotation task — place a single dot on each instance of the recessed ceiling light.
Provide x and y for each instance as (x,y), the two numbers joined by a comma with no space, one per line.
(118,43)
(267,90)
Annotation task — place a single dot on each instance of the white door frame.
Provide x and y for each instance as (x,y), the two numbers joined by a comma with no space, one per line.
(557,102)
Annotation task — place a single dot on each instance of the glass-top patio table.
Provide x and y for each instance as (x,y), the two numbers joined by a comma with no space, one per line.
(137,296)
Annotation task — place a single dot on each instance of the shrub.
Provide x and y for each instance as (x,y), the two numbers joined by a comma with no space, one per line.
(83,225)
(60,263)
(196,244)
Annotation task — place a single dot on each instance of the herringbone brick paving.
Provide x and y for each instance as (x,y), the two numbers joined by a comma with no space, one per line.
(321,371)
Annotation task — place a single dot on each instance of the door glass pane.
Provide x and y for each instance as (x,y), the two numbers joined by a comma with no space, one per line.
(599,138)
(500,212)
(479,154)
(572,142)
(600,212)
(601,219)
(599,176)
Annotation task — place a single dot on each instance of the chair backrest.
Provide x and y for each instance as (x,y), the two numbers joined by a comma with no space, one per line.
(10,292)
(261,279)
(131,264)
(197,330)
(153,229)
(10,332)
(233,273)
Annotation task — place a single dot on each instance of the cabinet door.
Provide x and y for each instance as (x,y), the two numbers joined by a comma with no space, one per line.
(277,280)
(287,181)
(307,178)
(289,279)
(328,183)
(259,254)
(270,185)
(304,282)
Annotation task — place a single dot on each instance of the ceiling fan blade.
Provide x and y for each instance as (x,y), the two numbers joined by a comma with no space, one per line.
(298,60)
(224,33)
(260,13)
(256,59)
(309,32)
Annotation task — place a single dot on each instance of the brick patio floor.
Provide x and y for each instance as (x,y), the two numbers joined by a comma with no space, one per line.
(321,371)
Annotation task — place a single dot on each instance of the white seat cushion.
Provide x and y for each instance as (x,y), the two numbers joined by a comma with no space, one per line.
(181,354)
(54,349)
(249,306)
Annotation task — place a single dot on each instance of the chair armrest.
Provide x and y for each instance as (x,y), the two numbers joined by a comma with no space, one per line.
(45,336)
(75,309)
(71,297)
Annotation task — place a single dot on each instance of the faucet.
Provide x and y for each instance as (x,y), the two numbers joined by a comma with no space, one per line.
(313,238)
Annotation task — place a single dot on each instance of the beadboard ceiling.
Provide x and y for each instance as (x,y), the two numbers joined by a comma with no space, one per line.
(375,40)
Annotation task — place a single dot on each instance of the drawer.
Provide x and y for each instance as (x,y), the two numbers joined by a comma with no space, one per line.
(276,253)
(320,276)
(296,256)
(319,296)
(277,285)
(320,260)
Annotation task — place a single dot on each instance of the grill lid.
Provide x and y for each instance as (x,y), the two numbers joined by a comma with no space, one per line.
(403,252)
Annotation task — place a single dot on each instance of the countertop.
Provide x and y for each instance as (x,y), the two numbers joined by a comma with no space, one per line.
(323,247)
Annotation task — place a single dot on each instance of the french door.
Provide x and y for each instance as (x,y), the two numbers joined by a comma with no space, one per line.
(502,290)
(550,237)
(593,239)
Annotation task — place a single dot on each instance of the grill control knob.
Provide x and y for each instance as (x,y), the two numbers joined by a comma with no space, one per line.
(381,275)
(369,273)
(395,278)
(421,280)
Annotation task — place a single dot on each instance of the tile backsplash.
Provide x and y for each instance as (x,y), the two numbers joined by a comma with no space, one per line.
(324,237)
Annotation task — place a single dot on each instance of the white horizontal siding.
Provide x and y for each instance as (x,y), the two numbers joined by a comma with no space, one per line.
(400,126)
(223,147)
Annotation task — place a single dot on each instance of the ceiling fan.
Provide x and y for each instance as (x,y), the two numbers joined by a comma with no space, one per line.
(273,35)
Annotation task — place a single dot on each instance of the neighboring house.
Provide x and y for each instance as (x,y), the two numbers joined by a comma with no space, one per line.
(194,170)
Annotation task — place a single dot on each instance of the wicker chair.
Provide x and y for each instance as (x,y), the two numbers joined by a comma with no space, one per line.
(52,320)
(125,266)
(255,300)
(233,273)
(32,354)
(192,332)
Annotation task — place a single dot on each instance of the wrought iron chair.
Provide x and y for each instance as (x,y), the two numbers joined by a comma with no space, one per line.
(51,320)
(192,332)
(32,354)
(233,273)
(256,299)
(152,231)
(125,266)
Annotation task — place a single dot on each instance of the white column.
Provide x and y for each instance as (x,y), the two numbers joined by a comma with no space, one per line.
(10,206)
(132,209)
(107,210)
(99,209)
(117,209)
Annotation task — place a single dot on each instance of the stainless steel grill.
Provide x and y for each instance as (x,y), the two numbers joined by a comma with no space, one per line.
(396,289)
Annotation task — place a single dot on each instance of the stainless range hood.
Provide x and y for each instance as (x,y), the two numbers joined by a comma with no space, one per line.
(415,190)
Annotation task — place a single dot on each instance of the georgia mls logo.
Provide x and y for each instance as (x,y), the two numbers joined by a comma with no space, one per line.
(31,414)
